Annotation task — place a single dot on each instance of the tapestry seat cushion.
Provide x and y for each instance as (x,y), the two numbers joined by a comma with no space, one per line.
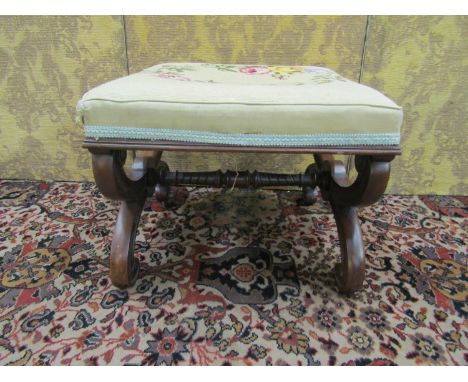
(252,105)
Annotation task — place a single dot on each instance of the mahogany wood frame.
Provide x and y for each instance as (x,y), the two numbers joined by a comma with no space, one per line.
(150,175)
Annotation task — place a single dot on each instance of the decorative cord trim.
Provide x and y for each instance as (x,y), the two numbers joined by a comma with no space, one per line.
(334,139)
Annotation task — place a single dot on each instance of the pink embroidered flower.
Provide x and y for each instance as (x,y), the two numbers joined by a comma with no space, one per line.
(254,70)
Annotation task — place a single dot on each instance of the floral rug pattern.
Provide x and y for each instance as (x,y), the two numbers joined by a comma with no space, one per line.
(229,278)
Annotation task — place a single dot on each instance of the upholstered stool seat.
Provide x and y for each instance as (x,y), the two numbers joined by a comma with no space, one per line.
(240,108)
(241,105)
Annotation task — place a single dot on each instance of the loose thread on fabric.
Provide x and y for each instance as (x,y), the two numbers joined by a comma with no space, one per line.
(235,179)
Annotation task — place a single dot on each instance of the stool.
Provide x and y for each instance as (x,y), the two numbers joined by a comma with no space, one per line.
(240,108)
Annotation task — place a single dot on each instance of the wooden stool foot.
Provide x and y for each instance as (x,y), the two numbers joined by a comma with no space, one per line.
(345,196)
(123,265)
(132,189)
(150,175)
(350,272)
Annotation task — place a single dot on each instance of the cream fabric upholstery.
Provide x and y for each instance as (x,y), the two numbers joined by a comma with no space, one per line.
(241,104)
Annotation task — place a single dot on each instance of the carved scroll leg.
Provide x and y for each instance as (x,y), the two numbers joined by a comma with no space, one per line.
(124,266)
(345,197)
(133,189)
(350,272)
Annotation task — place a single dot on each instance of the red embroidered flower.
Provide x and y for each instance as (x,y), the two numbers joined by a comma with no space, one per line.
(254,70)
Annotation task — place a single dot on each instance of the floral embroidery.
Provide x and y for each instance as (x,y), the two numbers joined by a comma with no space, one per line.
(254,70)
(173,76)
(222,73)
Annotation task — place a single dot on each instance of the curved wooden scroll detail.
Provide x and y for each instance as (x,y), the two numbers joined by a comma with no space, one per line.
(350,273)
(111,178)
(132,189)
(124,266)
(345,197)
(370,184)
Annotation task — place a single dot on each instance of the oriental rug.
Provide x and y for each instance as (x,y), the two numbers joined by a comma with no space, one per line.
(229,278)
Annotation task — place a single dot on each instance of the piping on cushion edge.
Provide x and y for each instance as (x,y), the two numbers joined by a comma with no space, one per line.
(338,139)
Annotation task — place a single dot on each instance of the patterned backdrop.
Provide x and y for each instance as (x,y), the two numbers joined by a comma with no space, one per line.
(235,277)
(46,63)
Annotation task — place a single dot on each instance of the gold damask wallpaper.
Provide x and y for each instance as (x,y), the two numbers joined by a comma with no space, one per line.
(422,63)
(47,62)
